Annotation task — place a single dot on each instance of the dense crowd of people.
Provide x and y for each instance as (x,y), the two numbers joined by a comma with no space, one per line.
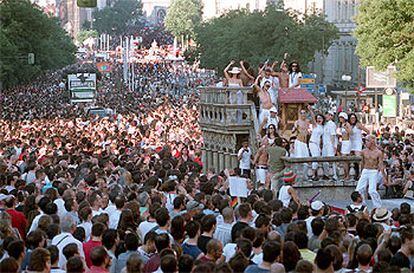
(126,193)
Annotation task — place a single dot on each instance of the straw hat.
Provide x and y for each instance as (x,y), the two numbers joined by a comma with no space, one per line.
(235,70)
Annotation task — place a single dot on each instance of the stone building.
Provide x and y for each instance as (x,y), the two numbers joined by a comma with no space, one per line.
(341,58)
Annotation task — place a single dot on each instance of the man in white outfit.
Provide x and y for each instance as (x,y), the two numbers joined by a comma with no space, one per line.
(372,163)
(329,142)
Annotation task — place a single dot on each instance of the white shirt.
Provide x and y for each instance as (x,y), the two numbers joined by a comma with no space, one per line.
(62,240)
(97,212)
(61,207)
(114,219)
(229,251)
(35,222)
(317,132)
(294,79)
(245,158)
(329,130)
(223,232)
(87,226)
(110,208)
(309,225)
(145,227)
(284,195)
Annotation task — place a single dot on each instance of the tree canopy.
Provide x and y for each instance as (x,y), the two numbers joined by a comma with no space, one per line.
(261,35)
(385,33)
(182,17)
(26,29)
(116,19)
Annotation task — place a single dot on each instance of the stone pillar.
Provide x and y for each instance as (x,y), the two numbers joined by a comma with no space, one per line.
(215,161)
(209,159)
(227,160)
(234,161)
(204,159)
(220,160)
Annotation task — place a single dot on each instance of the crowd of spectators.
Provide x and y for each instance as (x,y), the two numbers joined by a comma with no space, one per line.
(125,193)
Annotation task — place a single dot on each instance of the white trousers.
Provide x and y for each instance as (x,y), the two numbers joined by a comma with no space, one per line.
(328,150)
(301,149)
(314,151)
(263,113)
(369,179)
(261,175)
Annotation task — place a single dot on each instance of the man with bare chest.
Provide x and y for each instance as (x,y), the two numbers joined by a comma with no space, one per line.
(302,129)
(260,162)
(265,99)
(372,163)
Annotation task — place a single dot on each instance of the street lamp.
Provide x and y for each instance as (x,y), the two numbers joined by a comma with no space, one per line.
(346,78)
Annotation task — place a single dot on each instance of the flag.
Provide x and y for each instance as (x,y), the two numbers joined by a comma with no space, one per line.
(234,202)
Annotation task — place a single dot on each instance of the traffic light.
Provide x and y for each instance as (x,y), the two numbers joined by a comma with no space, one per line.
(30,58)
(86,3)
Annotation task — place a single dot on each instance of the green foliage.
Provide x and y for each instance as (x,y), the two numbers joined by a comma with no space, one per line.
(385,36)
(114,20)
(182,17)
(26,29)
(85,34)
(258,36)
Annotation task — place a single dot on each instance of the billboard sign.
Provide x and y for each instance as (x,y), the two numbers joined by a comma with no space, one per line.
(389,105)
(82,87)
(381,79)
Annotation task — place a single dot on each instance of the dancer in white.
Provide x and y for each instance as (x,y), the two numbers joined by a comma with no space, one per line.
(302,128)
(329,142)
(355,138)
(345,131)
(316,138)
(356,134)
(372,163)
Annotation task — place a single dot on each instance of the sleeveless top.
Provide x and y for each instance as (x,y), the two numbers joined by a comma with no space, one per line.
(316,135)
(284,195)
(356,134)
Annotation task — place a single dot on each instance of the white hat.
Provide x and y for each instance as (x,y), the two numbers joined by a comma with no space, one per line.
(343,115)
(381,215)
(331,113)
(266,81)
(235,70)
(273,109)
(317,205)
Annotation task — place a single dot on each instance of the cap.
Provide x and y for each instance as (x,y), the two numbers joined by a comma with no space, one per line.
(331,113)
(273,109)
(317,205)
(194,205)
(343,115)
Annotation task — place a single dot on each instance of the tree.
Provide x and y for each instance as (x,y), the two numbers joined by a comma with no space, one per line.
(115,20)
(182,17)
(261,35)
(26,29)
(385,36)
(85,34)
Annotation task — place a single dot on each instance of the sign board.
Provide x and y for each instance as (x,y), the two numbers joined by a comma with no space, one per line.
(307,81)
(82,87)
(104,67)
(381,79)
(389,106)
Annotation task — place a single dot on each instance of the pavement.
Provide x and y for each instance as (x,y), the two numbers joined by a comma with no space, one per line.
(387,203)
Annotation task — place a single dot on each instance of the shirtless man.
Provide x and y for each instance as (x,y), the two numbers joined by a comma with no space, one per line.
(260,162)
(265,98)
(372,163)
(302,128)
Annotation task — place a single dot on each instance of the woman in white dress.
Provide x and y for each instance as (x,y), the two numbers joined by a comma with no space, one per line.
(355,138)
(294,75)
(345,131)
(315,139)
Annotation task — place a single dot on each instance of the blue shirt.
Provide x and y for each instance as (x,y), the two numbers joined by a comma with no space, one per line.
(191,250)
(255,269)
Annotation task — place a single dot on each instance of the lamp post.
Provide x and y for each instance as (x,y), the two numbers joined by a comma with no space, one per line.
(346,78)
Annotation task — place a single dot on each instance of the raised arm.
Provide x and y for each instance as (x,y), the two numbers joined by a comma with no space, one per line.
(363,128)
(245,71)
(226,74)
(312,114)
